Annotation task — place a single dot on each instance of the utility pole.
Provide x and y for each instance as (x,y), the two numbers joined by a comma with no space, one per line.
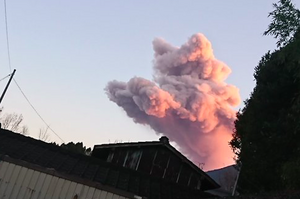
(237,178)
(11,76)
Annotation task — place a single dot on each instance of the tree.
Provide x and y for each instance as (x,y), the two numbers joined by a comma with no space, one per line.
(77,148)
(285,22)
(13,122)
(44,135)
(267,130)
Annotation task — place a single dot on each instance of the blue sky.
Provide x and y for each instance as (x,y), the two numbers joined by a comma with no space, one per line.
(65,52)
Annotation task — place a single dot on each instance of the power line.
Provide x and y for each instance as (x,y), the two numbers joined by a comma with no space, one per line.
(37,111)
(7,40)
(9,64)
(5,77)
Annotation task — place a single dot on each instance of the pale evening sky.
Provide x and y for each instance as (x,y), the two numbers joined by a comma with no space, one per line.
(65,52)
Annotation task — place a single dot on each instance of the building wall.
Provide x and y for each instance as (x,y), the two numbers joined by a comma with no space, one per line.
(156,161)
(18,182)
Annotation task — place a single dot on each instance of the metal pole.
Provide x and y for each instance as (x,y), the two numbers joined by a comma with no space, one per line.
(11,76)
(237,178)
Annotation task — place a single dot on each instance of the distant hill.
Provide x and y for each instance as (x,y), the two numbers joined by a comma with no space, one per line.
(226,178)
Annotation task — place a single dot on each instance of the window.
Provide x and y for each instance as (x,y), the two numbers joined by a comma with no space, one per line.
(173,169)
(160,163)
(184,175)
(195,182)
(110,156)
(132,159)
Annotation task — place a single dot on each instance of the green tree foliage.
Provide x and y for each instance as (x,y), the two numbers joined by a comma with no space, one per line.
(77,148)
(285,22)
(267,131)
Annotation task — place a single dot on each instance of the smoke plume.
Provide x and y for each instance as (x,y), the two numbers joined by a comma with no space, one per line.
(188,100)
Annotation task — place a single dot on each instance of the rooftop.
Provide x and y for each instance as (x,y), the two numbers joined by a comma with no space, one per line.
(23,150)
(209,183)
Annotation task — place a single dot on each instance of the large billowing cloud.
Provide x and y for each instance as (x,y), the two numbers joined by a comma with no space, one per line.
(188,100)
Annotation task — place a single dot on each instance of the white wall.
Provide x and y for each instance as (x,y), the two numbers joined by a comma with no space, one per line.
(17,182)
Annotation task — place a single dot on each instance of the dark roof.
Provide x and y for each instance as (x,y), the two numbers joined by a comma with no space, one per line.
(209,182)
(32,153)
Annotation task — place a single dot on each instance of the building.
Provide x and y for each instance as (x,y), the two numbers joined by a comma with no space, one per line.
(158,159)
(31,168)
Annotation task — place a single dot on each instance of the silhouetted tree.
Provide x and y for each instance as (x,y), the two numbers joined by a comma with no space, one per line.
(44,135)
(13,122)
(77,148)
(267,130)
(285,22)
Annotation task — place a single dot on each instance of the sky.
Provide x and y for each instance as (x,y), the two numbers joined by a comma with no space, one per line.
(66,52)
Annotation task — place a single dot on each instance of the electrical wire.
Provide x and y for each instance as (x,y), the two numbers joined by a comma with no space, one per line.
(7,40)
(9,64)
(37,111)
(4,77)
